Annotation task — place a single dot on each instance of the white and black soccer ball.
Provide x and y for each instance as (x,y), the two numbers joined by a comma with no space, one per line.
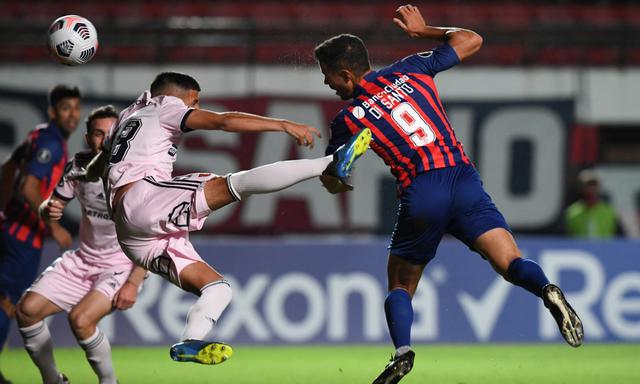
(72,39)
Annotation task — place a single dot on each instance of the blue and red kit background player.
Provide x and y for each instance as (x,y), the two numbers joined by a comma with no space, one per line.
(33,170)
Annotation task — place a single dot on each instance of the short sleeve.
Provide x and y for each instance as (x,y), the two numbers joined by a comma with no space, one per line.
(174,113)
(65,189)
(432,62)
(339,133)
(45,154)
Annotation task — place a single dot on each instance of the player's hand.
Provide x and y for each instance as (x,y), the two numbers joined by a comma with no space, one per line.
(79,174)
(126,296)
(51,210)
(334,185)
(302,133)
(409,18)
(61,236)
(93,170)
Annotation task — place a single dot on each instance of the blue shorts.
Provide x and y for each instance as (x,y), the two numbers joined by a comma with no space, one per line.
(19,263)
(447,200)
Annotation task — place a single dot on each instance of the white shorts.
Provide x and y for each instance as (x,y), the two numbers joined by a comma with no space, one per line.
(154,219)
(69,279)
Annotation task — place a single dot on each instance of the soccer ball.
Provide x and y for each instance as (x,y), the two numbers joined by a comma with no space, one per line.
(73,40)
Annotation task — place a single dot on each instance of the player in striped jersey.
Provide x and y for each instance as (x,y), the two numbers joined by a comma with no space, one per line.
(439,188)
(33,171)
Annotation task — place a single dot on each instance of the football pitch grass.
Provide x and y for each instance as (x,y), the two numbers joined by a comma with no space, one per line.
(455,364)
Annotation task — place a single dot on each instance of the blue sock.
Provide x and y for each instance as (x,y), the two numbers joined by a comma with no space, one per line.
(527,274)
(399,311)
(5,324)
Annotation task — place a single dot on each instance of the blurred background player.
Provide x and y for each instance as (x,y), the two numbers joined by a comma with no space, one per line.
(439,188)
(591,216)
(154,212)
(33,170)
(88,282)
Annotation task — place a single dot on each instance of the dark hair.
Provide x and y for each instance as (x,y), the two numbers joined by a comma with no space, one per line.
(180,80)
(100,113)
(343,52)
(61,91)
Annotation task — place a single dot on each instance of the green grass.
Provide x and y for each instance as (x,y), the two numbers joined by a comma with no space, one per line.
(455,364)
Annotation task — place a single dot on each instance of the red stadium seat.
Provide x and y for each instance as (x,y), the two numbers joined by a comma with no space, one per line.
(560,15)
(559,56)
(314,14)
(469,15)
(602,16)
(511,16)
(504,54)
(285,53)
(632,56)
(602,56)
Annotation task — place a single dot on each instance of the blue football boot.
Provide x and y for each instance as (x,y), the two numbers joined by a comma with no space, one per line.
(347,154)
(203,352)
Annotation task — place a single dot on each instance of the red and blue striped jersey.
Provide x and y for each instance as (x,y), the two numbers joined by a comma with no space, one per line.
(401,106)
(43,155)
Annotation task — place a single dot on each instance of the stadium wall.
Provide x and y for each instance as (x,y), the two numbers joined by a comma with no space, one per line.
(603,95)
(331,290)
(520,145)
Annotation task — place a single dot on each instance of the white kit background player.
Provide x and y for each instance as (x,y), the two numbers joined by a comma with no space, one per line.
(154,212)
(88,282)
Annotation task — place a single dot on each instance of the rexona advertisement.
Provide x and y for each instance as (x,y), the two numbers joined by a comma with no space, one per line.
(332,291)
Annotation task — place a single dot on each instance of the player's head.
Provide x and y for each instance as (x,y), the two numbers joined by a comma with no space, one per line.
(64,108)
(99,122)
(179,85)
(344,60)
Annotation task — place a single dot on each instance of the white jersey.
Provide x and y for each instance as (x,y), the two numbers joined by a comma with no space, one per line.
(98,240)
(146,140)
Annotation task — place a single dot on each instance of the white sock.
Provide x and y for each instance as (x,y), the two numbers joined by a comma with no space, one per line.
(206,311)
(39,345)
(275,177)
(98,351)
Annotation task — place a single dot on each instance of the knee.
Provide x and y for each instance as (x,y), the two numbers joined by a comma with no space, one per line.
(81,323)
(26,312)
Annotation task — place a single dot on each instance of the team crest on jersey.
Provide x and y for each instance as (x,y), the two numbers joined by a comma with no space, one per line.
(179,215)
(43,156)
(425,54)
(358,112)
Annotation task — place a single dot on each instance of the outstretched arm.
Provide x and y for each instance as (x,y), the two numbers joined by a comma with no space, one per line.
(246,122)
(464,41)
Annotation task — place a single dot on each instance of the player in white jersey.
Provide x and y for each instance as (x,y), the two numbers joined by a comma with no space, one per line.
(154,213)
(88,282)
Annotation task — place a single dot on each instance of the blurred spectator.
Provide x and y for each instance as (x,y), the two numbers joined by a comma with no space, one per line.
(590,216)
